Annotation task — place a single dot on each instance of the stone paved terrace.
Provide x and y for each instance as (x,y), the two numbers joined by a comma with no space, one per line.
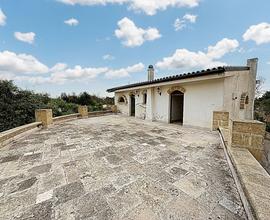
(115,167)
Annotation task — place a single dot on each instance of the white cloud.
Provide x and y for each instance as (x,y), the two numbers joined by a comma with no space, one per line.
(222,47)
(25,37)
(60,73)
(183,58)
(124,72)
(20,63)
(27,68)
(180,24)
(133,36)
(259,33)
(3,18)
(149,7)
(108,57)
(191,18)
(71,22)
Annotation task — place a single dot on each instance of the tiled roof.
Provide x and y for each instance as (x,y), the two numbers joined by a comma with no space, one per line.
(182,76)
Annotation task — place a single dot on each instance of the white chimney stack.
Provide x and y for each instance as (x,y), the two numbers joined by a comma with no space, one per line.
(151,73)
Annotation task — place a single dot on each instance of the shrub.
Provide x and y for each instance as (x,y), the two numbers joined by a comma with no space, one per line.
(60,107)
(17,106)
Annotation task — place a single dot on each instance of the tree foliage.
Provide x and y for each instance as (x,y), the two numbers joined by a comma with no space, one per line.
(262,109)
(17,106)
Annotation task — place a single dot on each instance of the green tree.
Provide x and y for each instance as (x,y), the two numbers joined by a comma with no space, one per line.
(17,106)
(262,109)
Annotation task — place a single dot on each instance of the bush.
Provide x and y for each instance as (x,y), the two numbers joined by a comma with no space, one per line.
(17,107)
(60,107)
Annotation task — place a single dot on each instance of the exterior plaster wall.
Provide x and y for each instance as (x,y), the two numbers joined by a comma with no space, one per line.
(235,84)
(123,108)
(161,104)
(140,108)
(200,100)
(205,96)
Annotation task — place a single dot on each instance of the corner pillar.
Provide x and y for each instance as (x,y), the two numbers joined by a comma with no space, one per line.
(149,104)
(83,111)
(44,116)
(220,119)
(114,108)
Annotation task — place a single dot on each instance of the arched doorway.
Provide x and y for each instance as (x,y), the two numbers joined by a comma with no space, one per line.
(132,105)
(177,107)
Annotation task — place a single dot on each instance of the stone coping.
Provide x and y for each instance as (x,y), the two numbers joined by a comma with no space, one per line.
(254,179)
(8,135)
(247,121)
(66,117)
(96,113)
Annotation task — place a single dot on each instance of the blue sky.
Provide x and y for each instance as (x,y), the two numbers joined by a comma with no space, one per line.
(69,46)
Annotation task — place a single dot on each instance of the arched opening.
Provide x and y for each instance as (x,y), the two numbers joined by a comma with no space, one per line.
(177,107)
(122,100)
(132,105)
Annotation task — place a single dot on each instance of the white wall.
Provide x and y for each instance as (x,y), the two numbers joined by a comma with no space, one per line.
(140,108)
(122,107)
(201,98)
(235,84)
(161,105)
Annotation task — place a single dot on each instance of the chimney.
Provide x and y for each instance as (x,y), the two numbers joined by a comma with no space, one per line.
(252,64)
(151,73)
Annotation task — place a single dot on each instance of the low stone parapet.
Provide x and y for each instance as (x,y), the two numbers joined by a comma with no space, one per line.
(9,135)
(99,113)
(248,134)
(66,117)
(255,181)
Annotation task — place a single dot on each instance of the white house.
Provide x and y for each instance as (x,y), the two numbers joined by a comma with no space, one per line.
(191,98)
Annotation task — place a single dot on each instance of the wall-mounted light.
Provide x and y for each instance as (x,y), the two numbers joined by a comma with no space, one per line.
(234,96)
(159,90)
(137,93)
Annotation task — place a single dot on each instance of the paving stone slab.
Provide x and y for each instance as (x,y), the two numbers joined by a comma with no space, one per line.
(116,167)
(68,192)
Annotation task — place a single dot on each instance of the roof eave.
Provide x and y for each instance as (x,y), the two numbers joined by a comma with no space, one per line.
(182,76)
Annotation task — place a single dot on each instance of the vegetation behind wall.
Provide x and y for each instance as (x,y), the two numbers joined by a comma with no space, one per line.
(262,109)
(17,106)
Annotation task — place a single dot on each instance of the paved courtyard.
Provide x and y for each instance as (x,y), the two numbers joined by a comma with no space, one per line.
(115,167)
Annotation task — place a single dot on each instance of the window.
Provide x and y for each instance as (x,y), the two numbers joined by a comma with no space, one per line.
(144,98)
(243,100)
(247,100)
(122,100)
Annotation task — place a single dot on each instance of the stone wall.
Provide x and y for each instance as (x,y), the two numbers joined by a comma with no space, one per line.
(220,119)
(247,134)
